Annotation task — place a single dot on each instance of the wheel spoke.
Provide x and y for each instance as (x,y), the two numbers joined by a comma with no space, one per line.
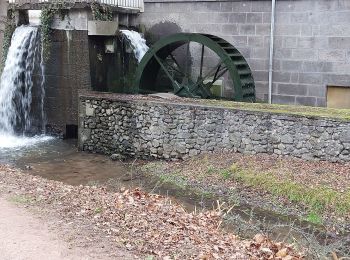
(219,74)
(212,71)
(178,69)
(173,81)
(202,60)
(186,61)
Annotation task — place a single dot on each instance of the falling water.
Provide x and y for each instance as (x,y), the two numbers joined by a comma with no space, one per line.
(138,43)
(16,88)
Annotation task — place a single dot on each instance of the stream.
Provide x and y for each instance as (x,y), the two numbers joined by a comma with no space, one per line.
(60,160)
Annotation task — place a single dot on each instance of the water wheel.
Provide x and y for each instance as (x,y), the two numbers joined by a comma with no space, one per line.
(228,65)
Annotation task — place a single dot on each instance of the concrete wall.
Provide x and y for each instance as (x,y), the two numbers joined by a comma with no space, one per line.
(66,72)
(312,40)
(139,127)
(3,10)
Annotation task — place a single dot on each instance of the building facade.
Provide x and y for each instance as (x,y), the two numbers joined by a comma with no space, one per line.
(311,42)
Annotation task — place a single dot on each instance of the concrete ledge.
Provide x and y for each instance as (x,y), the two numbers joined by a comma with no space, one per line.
(102,28)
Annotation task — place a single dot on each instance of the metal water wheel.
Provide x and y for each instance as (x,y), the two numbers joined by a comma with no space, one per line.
(229,65)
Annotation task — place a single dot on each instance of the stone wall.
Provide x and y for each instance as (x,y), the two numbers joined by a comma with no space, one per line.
(137,127)
(312,44)
(3,10)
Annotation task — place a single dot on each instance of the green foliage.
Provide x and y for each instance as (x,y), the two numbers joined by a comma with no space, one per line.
(46,17)
(226,174)
(98,210)
(314,218)
(317,198)
(210,169)
(9,29)
(101,12)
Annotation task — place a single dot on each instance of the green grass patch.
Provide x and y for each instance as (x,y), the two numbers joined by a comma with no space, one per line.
(314,218)
(174,179)
(21,199)
(343,114)
(317,199)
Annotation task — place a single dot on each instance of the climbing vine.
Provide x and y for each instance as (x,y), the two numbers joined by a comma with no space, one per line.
(9,30)
(46,18)
(101,12)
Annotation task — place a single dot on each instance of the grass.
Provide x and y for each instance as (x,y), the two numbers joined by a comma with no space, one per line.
(20,199)
(317,199)
(314,218)
(174,179)
(342,114)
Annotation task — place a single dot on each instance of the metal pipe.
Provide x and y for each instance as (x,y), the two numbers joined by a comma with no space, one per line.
(273,10)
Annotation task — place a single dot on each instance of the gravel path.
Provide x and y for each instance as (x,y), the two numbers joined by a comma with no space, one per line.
(25,236)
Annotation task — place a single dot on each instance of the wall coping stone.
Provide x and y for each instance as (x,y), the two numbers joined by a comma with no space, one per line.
(285,111)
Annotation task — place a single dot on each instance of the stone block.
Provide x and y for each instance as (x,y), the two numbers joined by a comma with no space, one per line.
(292,89)
(310,78)
(247,29)
(261,6)
(238,18)
(102,28)
(255,41)
(317,66)
(306,101)
(242,6)
(292,65)
(229,29)
(290,42)
(332,55)
(281,99)
(254,18)
(316,91)
(287,29)
(304,54)
(262,29)
(280,76)
(339,42)
(226,7)
(299,17)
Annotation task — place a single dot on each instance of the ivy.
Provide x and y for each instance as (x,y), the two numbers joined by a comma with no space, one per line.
(101,12)
(46,19)
(10,27)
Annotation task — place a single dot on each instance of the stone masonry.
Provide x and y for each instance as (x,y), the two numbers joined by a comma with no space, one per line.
(155,129)
(3,10)
(312,43)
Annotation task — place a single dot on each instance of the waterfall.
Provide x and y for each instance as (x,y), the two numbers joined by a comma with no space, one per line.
(138,43)
(16,87)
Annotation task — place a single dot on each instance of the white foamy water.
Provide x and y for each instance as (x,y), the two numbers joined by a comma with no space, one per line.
(138,43)
(16,87)
(13,141)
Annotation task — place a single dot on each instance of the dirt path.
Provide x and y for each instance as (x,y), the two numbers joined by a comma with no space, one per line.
(26,236)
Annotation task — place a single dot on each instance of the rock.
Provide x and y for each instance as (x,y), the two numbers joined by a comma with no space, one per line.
(259,238)
(282,253)
(117,157)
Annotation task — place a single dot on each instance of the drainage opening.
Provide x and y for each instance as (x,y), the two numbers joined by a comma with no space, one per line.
(71,132)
